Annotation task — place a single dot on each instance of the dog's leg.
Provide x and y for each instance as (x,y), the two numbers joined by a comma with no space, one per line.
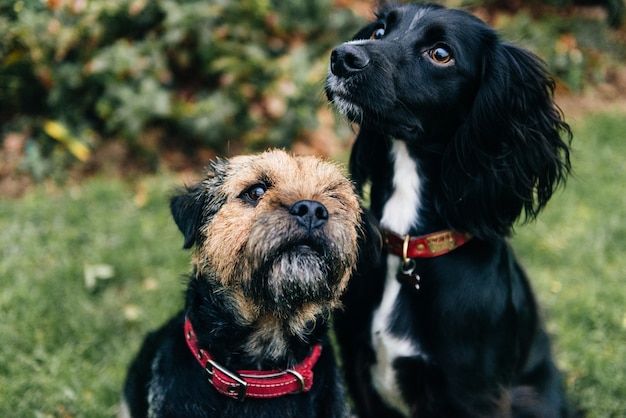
(539,390)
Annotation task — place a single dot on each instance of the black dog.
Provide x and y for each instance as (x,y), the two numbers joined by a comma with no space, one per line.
(459,137)
(276,240)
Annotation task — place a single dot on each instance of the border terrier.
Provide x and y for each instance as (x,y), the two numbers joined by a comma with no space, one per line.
(276,239)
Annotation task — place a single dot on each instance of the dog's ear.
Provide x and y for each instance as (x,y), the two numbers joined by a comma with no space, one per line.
(197,204)
(187,209)
(508,157)
(366,163)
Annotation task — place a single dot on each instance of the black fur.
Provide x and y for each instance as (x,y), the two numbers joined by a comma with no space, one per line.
(487,140)
(166,364)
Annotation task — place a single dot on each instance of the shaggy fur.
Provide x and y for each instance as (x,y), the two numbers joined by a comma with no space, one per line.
(275,242)
(458,130)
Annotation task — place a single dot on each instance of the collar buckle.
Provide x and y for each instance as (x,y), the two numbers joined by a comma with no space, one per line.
(299,378)
(238,389)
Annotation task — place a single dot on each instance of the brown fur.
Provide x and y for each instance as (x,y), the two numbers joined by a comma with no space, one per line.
(241,237)
(276,240)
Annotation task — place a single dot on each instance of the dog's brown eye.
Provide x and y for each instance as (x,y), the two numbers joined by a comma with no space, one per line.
(254,193)
(441,55)
(378,33)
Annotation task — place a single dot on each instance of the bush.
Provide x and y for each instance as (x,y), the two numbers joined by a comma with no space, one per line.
(243,74)
(228,76)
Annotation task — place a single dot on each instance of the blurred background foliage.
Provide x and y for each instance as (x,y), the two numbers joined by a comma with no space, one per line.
(138,84)
(161,76)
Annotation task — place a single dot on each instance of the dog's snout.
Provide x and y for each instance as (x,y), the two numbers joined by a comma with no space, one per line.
(309,213)
(347,59)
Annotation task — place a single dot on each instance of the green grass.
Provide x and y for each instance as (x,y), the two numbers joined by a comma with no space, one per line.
(65,346)
(576,256)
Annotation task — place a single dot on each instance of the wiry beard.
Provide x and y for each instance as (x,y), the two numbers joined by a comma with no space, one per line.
(294,278)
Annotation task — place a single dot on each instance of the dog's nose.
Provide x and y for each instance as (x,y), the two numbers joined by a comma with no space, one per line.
(347,59)
(309,213)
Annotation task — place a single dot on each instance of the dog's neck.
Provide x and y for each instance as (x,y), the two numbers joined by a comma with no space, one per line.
(402,199)
(242,338)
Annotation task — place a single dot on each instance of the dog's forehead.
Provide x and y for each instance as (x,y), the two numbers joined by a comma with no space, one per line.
(407,18)
(418,19)
(414,17)
(280,169)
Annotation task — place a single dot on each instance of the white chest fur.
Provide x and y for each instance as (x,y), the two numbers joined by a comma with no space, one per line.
(400,210)
(399,214)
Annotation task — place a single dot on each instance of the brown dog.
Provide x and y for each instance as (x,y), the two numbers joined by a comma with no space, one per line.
(276,241)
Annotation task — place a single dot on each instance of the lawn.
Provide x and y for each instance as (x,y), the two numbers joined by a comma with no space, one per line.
(576,256)
(87,270)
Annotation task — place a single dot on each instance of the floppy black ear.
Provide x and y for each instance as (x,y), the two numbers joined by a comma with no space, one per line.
(508,157)
(365,157)
(196,205)
(187,210)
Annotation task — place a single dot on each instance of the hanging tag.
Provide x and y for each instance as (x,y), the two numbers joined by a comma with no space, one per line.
(407,274)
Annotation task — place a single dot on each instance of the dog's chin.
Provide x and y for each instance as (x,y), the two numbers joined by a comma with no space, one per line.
(351,111)
(380,119)
(296,277)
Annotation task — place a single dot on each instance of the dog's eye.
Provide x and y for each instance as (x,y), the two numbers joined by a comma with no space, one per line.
(254,193)
(378,33)
(440,54)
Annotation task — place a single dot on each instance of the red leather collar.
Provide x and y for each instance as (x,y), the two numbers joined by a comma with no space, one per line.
(253,383)
(424,246)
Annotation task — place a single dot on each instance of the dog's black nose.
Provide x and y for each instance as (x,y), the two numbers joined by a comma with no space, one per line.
(348,59)
(309,213)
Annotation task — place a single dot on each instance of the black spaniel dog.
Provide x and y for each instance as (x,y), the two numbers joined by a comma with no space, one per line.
(459,138)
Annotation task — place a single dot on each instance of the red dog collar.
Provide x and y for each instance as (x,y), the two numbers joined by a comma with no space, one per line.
(253,383)
(425,246)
